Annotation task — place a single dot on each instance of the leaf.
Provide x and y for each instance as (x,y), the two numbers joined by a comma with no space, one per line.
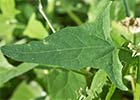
(6,29)
(69,5)
(132,5)
(97,84)
(99,5)
(35,29)
(3,62)
(74,48)
(27,91)
(120,34)
(8,8)
(118,10)
(8,72)
(7,21)
(65,85)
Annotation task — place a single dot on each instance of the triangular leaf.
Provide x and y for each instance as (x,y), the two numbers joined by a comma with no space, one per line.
(27,91)
(8,71)
(98,82)
(35,29)
(7,21)
(8,8)
(65,85)
(74,48)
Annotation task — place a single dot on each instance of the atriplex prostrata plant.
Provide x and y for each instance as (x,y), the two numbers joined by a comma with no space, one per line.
(74,49)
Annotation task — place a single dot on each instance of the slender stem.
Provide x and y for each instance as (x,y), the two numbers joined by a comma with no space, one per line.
(138,73)
(50,6)
(126,8)
(74,17)
(111,91)
(123,48)
(134,39)
(132,83)
(45,17)
(138,67)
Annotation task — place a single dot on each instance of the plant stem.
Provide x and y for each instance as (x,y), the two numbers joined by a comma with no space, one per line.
(138,73)
(125,49)
(45,17)
(132,83)
(74,17)
(138,67)
(111,91)
(50,6)
(126,8)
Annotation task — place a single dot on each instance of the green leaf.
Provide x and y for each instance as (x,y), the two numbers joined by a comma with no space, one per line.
(8,8)
(99,5)
(7,21)
(120,34)
(132,5)
(6,29)
(65,85)
(4,63)
(8,72)
(26,91)
(118,10)
(69,5)
(98,82)
(75,48)
(35,29)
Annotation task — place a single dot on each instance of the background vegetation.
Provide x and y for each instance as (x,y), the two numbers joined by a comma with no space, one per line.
(21,22)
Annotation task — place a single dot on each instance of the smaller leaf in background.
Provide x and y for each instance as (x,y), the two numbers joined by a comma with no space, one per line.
(28,91)
(126,59)
(65,85)
(132,5)
(8,8)
(120,34)
(8,72)
(35,29)
(6,29)
(41,76)
(98,82)
(96,7)
(7,21)
(4,63)
(118,10)
(68,5)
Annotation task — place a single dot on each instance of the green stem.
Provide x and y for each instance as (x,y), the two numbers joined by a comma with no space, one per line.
(110,93)
(50,7)
(132,83)
(74,17)
(138,67)
(138,73)
(126,8)
(125,49)
(134,39)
